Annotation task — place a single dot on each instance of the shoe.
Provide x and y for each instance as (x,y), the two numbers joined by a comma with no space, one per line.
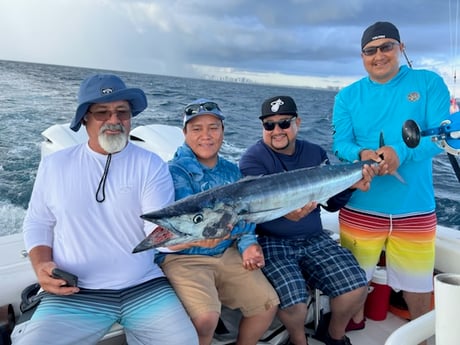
(353,326)
(344,341)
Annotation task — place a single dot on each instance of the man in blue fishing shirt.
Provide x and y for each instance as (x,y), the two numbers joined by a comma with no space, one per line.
(368,116)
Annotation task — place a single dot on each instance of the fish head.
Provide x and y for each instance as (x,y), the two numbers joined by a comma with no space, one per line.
(202,223)
(187,222)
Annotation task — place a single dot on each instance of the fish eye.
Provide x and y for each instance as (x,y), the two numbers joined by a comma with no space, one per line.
(198,218)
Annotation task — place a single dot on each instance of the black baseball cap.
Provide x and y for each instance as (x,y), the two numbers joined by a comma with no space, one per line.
(380,30)
(278,105)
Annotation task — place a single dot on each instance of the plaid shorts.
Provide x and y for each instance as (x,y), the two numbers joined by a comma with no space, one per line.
(294,266)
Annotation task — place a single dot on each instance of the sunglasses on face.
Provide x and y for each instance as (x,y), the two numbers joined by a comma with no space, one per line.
(384,48)
(104,115)
(195,108)
(283,124)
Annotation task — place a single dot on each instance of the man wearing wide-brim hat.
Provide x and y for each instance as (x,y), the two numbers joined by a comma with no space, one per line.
(84,218)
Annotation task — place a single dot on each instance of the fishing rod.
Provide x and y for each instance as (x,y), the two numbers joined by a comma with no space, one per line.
(446,136)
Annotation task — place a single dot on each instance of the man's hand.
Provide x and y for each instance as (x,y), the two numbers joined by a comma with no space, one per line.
(298,214)
(253,257)
(386,157)
(369,171)
(390,158)
(53,285)
(43,264)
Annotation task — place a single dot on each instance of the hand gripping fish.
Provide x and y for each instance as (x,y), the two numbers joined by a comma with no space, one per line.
(214,212)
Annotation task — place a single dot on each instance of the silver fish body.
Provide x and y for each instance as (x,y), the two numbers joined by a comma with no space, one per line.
(213,213)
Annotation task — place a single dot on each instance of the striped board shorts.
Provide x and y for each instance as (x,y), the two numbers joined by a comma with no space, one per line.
(408,241)
(150,313)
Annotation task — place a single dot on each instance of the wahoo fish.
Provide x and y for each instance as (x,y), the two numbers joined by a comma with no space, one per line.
(214,212)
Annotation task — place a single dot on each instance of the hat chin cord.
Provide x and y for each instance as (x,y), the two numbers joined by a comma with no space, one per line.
(100,193)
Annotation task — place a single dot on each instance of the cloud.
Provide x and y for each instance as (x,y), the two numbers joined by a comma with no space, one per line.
(256,40)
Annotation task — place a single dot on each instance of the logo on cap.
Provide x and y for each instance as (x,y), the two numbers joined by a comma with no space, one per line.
(275,105)
(106,91)
(378,37)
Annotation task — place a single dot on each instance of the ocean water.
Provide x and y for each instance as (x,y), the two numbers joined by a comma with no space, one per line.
(35,96)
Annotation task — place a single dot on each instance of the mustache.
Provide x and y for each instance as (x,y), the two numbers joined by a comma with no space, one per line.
(110,127)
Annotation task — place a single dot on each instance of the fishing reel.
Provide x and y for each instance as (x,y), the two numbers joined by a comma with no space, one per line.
(446,136)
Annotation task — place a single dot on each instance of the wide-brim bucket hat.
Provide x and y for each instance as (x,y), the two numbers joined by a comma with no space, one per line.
(103,88)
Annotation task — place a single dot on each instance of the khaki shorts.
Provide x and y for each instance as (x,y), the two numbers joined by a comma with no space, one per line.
(203,283)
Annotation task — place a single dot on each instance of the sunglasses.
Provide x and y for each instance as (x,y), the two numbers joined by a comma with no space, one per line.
(104,115)
(384,48)
(195,108)
(283,124)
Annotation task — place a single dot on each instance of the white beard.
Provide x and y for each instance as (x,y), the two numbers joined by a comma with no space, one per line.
(112,143)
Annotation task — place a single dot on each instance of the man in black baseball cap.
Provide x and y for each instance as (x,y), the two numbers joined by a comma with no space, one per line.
(289,240)
(367,119)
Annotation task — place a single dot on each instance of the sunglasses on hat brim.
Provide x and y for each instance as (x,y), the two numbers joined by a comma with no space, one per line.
(196,108)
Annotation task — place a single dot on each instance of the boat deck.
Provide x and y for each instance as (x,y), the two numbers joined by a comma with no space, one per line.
(375,332)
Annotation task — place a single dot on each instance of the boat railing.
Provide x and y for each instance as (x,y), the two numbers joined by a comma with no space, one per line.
(415,331)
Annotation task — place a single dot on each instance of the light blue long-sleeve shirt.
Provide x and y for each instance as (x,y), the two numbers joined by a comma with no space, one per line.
(364,109)
(191,177)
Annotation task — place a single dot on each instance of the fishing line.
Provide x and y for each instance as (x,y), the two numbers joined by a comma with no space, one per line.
(453,30)
(409,62)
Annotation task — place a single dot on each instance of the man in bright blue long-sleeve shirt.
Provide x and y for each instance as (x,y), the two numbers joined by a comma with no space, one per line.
(368,116)
(207,273)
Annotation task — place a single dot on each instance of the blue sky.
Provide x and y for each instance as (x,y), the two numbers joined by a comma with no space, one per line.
(293,42)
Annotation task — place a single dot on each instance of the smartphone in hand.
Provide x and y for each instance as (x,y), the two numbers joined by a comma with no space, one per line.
(71,279)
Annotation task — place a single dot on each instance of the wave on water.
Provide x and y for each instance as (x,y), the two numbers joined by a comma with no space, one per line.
(11,218)
(450,214)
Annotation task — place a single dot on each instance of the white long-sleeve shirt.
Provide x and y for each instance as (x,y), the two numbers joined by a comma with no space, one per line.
(95,240)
